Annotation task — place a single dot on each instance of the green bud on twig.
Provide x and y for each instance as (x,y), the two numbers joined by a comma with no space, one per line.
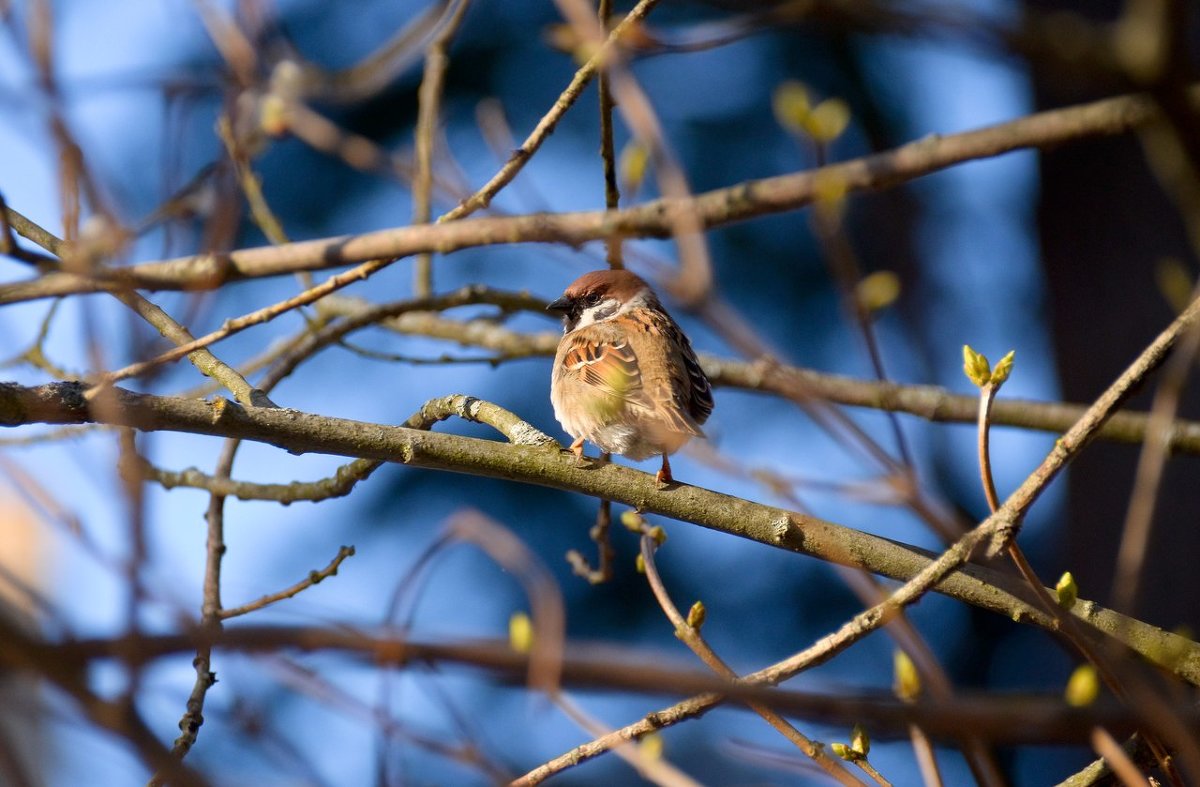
(696,615)
(632,165)
(828,120)
(1082,687)
(794,110)
(1003,368)
(1067,590)
(791,105)
(651,746)
(520,632)
(844,751)
(976,367)
(907,682)
(860,741)
(877,291)
(632,521)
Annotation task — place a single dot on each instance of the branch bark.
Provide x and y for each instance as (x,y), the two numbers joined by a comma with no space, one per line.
(650,220)
(548,465)
(767,376)
(1034,718)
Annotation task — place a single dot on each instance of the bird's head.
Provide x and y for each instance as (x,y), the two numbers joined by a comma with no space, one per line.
(600,295)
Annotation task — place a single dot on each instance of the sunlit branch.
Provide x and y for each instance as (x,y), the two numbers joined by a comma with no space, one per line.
(532,461)
(930,402)
(650,220)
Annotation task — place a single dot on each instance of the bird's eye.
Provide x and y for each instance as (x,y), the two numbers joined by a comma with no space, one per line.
(591,299)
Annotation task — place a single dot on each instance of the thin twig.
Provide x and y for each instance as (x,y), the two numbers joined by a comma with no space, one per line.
(927,762)
(847,274)
(9,245)
(541,590)
(653,769)
(483,197)
(601,536)
(429,98)
(339,484)
(199,355)
(202,359)
(1129,689)
(210,616)
(608,156)
(313,578)
(869,769)
(690,635)
(1135,536)
(1117,759)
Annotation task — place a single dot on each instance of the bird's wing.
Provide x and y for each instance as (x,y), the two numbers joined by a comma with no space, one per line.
(609,365)
(675,386)
(699,398)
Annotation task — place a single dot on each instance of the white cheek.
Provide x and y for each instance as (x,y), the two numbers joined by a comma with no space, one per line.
(604,310)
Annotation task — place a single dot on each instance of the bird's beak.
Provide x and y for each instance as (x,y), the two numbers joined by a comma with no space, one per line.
(562,305)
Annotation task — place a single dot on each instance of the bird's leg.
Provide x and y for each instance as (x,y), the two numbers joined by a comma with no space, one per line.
(577,449)
(663,476)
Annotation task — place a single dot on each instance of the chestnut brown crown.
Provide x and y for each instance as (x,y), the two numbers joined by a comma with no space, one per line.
(595,287)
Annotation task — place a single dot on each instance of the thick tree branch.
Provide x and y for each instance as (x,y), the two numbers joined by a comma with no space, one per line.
(547,465)
(650,220)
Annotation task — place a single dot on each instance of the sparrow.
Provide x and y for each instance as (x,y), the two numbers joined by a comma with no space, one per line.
(625,376)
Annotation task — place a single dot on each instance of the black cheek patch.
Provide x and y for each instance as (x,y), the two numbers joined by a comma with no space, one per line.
(605,313)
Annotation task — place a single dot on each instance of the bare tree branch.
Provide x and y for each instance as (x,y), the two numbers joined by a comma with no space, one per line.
(651,220)
(546,465)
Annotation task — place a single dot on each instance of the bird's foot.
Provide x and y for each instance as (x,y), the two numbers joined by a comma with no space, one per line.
(663,477)
(577,449)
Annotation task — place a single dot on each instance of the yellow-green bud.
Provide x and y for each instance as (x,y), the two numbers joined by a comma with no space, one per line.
(828,120)
(696,615)
(1003,368)
(658,534)
(273,115)
(632,164)
(860,741)
(791,105)
(520,632)
(976,367)
(1082,687)
(1066,590)
(877,291)
(651,746)
(632,521)
(829,192)
(907,682)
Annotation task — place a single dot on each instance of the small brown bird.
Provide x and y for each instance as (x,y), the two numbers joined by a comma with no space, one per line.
(625,377)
